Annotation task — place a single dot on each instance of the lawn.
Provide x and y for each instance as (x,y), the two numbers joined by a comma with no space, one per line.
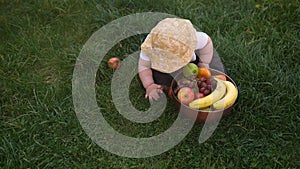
(258,41)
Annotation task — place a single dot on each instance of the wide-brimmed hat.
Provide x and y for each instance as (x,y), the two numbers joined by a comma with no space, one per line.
(170,45)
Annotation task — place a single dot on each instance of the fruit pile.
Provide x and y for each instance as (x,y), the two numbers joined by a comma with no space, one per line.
(198,89)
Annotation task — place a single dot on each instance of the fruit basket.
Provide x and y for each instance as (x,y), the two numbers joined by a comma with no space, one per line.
(214,102)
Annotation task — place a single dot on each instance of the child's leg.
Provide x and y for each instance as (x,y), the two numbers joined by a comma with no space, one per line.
(162,78)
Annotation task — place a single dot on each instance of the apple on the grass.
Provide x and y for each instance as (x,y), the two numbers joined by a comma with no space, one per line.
(190,70)
(114,63)
(186,95)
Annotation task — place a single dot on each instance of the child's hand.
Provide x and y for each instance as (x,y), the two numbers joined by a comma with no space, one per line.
(200,64)
(153,92)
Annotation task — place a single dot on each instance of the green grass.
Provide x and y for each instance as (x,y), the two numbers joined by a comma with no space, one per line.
(40,41)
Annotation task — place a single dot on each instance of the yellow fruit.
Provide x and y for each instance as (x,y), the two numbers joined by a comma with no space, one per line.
(229,97)
(206,109)
(208,100)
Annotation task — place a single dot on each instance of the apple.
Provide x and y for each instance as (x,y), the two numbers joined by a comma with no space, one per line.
(186,95)
(170,93)
(199,95)
(114,63)
(190,70)
(222,77)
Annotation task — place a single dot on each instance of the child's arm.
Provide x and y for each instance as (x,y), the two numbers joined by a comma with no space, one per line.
(206,54)
(145,74)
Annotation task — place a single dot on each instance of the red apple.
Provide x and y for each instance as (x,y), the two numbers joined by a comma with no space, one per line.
(186,95)
(114,63)
(199,95)
(170,93)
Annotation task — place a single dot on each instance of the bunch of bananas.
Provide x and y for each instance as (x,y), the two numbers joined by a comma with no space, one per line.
(223,96)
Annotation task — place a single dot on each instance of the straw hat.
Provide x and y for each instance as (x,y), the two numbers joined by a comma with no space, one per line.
(170,44)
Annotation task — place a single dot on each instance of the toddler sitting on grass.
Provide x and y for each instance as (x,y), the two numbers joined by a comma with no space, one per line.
(170,45)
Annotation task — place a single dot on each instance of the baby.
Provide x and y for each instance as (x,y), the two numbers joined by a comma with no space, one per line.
(169,46)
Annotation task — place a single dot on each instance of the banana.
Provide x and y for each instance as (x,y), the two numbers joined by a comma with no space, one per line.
(229,97)
(208,100)
(206,108)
